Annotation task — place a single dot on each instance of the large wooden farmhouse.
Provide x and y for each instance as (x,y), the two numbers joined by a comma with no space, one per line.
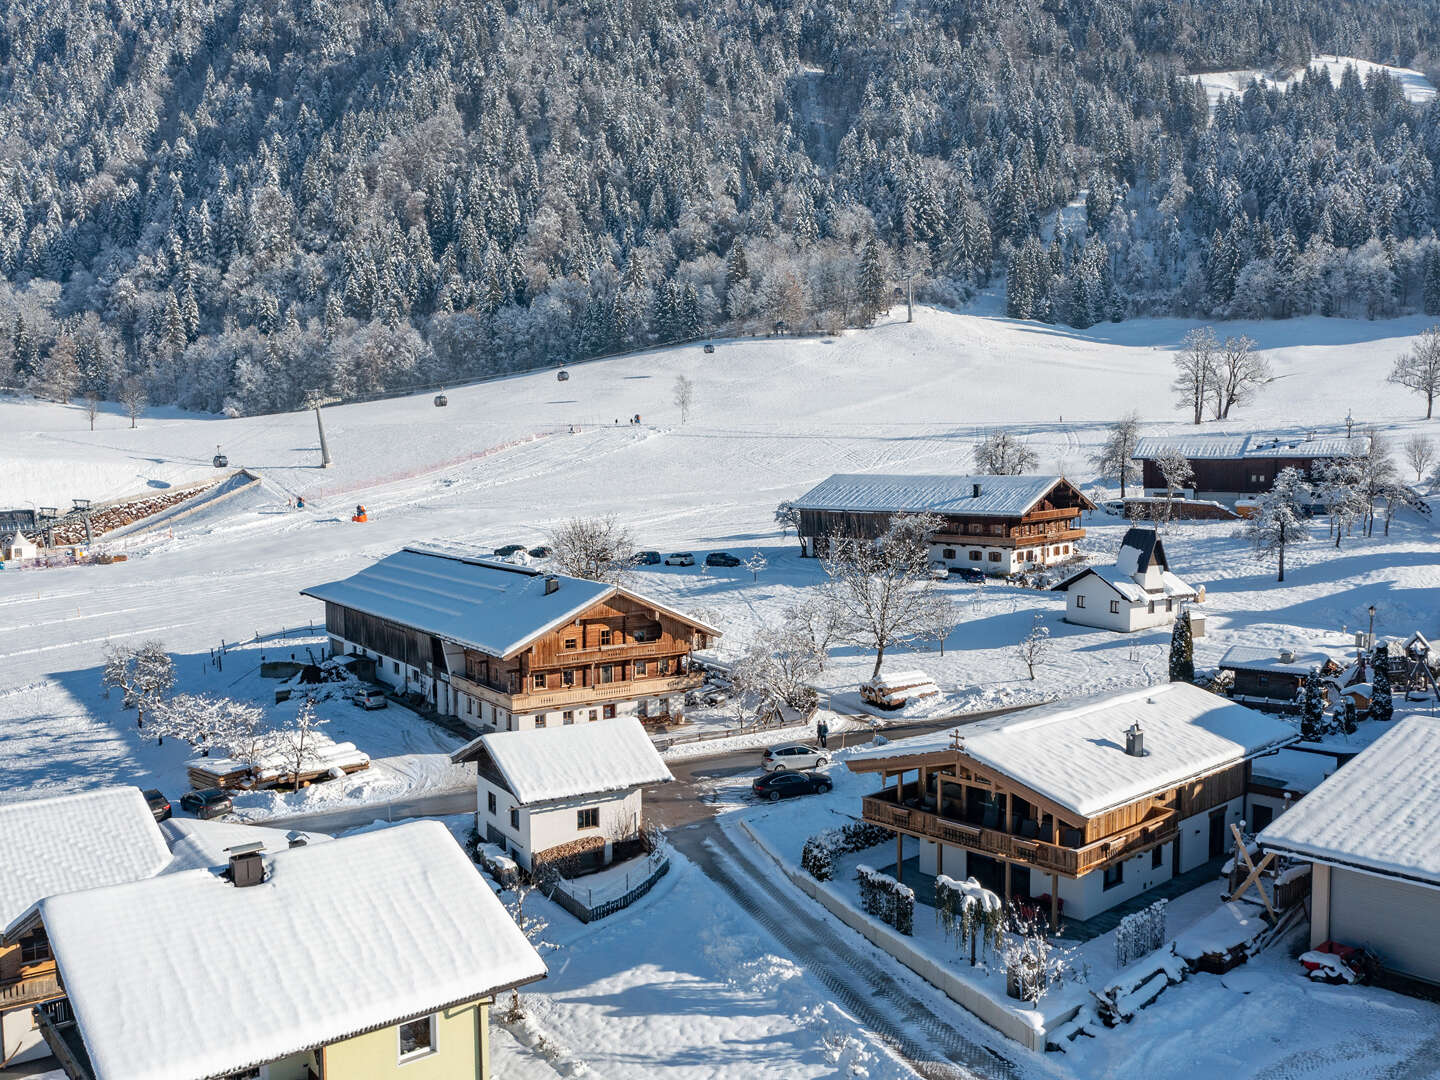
(1077,805)
(996,524)
(1229,466)
(505,647)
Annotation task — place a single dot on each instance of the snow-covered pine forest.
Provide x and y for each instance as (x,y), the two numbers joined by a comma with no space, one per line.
(225,206)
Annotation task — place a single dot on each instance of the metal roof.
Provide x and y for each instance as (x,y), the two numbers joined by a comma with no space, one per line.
(1000,496)
(1244,447)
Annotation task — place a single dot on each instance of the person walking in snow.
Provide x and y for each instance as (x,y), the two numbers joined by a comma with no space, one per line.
(822,732)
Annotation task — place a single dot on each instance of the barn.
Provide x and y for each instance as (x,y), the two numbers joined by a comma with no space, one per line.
(1231,466)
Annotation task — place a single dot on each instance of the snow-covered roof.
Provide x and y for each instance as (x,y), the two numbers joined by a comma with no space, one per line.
(1138,549)
(1170,585)
(899,680)
(494,607)
(1295,770)
(1249,658)
(1073,752)
(1001,496)
(1380,812)
(339,939)
(544,764)
(1236,447)
(197,845)
(70,842)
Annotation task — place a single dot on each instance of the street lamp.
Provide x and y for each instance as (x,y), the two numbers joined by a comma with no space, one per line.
(1349,422)
(1370,637)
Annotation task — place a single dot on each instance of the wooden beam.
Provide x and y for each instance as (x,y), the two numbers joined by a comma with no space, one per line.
(899,853)
(1007,881)
(939,857)
(1054,903)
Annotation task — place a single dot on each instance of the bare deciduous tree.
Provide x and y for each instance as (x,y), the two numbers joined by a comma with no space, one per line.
(597,549)
(1195,371)
(778,669)
(881,590)
(1238,373)
(755,563)
(1035,647)
(1419,454)
(1176,471)
(787,517)
(1002,454)
(133,397)
(1115,460)
(1279,520)
(1419,369)
(816,618)
(298,743)
(684,397)
(92,407)
(143,674)
(208,723)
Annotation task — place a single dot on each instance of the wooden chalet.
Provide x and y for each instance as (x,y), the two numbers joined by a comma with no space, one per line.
(1078,805)
(1270,679)
(505,647)
(996,524)
(1228,466)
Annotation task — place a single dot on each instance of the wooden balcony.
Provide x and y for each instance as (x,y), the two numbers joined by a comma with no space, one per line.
(1058,536)
(57,1026)
(586,696)
(1052,858)
(29,989)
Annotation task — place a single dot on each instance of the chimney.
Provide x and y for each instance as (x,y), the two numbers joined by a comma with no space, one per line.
(975,490)
(552,583)
(297,839)
(1135,740)
(246,866)
(1287,656)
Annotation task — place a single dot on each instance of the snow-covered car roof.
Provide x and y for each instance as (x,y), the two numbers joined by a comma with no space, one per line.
(1073,752)
(1250,658)
(70,842)
(545,764)
(1380,812)
(493,607)
(1001,496)
(340,938)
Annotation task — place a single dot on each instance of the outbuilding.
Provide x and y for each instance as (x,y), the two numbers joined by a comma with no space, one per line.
(1372,835)
(17,545)
(1270,679)
(1137,593)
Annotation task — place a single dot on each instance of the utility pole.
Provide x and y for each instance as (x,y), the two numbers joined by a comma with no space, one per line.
(910,296)
(315,400)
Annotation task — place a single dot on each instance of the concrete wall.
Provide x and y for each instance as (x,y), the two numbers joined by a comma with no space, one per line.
(544,826)
(461,1050)
(20,1038)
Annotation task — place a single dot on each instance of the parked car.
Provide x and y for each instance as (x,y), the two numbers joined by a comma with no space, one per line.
(721,558)
(159,804)
(541,552)
(647,558)
(680,558)
(779,786)
(1114,506)
(508,550)
(969,573)
(370,699)
(207,802)
(792,756)
(939,571)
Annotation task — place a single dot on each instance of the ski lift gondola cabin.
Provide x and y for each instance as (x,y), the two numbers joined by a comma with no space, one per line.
(709,348)
(220,461)
(441,401)
(562,375)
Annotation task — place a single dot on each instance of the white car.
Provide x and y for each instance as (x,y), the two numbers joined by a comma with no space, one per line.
(939,571)
(793,757)
(680,558)
(369,699)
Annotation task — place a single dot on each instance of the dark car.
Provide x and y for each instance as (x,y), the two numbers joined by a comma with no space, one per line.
(647,558)
(721,558)
(159,804)
(782,785)
(969,573)
(508,550)
(541,552)
(207,802)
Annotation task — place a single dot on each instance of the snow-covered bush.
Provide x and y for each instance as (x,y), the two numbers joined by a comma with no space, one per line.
(1140,934)
(886,899)
(820,852)
(968,911)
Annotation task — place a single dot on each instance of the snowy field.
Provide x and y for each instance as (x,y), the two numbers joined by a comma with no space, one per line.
(1416,87)
(772,417)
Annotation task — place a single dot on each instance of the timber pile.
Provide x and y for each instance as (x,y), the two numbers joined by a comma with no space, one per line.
(117,515)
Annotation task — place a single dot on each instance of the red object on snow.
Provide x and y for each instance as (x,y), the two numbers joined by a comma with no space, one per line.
(1344,952)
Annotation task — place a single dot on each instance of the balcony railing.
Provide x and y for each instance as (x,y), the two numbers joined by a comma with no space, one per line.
(582,695)
(28,990)
(1052,858)
(1058,536)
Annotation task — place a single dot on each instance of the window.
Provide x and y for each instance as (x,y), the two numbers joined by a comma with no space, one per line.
(1114,607)
(642,668)
(647,633)
(1114,875)
(994,556)
(395,666)
(490,802)
(1152,607)
(607,673)
(539,720)
(567,717)
(538,680)
(593,716)
(417,1038)
(665,666)
(1169,604)
(1157,857)
(974,556)
(567,677)
(515,817)
(974,528)
(589,818)
(609,712)
(570,643)
(605,637)
(948,553)
(35,948)
(1079,600)
(997,530)
(1263,815)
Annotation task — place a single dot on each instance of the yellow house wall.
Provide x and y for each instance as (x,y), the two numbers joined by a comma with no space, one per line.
(462,1050)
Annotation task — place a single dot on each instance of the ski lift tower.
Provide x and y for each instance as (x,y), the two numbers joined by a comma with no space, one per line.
(314,399)
(82,507)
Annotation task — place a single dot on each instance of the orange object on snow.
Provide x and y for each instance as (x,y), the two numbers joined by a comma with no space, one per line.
(360,514)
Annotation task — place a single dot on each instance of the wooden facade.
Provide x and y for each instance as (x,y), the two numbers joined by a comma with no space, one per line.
(27,971)
(1234,476)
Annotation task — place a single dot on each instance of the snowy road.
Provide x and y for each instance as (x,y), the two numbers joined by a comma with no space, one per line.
(902,1011)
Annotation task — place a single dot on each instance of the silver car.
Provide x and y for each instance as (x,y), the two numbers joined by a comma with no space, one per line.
(680,558)
(793,757)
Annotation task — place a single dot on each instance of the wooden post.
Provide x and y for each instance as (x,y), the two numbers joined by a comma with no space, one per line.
(899,853)
(1055,903)
(939,858)
(1007,881)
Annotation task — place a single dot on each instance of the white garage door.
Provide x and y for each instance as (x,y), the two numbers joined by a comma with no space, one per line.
(1400,923)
